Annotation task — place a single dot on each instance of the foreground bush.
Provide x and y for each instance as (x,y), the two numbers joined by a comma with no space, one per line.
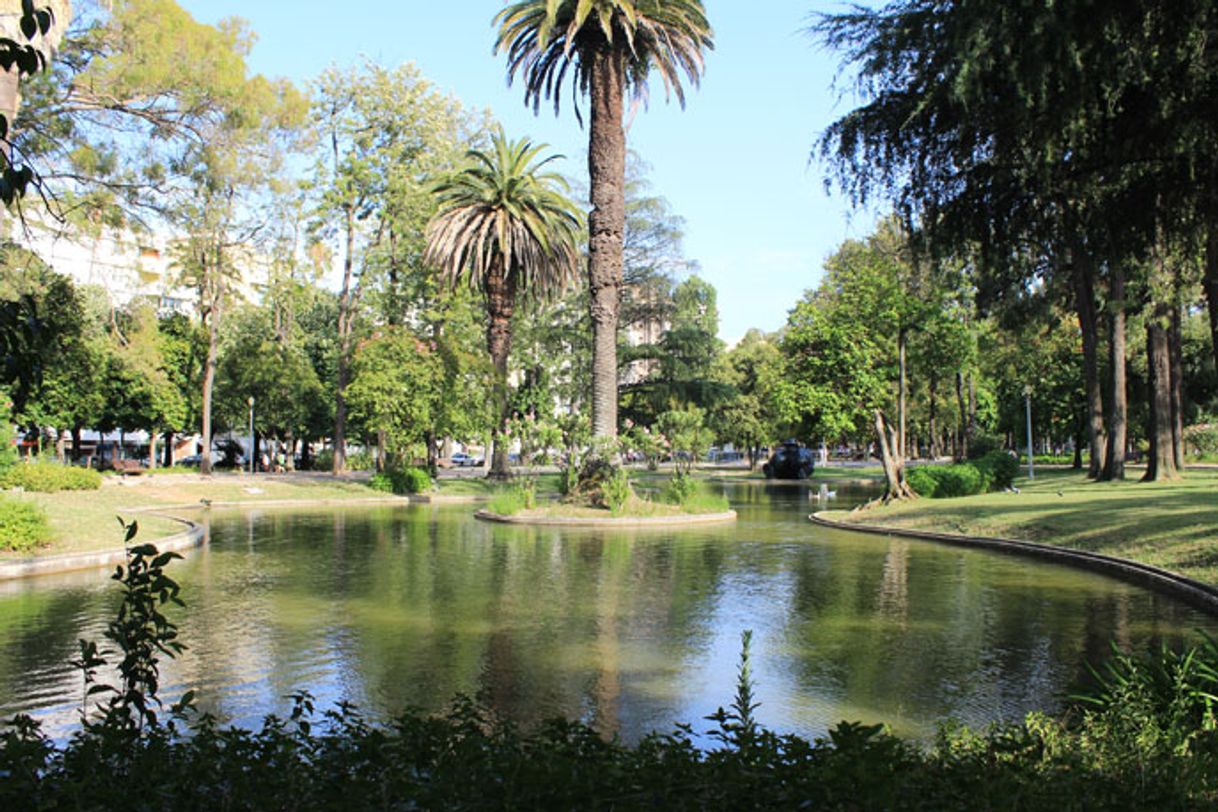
(51,477)
(1145,738)
(994,472)
(23,526)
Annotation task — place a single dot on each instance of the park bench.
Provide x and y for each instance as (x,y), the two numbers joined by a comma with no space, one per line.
(128,467)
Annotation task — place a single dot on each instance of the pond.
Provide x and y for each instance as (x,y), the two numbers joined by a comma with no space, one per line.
(393,607)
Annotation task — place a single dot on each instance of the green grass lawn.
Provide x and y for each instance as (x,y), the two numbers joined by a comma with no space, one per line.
(1173,525)
(82,521)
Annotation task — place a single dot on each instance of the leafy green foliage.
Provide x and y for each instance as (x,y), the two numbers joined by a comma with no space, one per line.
(1202,439)
(995,471)
(50,477)
(617,491)
(23,526)
(401,481)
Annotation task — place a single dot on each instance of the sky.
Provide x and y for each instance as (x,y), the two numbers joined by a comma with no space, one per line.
(735,163)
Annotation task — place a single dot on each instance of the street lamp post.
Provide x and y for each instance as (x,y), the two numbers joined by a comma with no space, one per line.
(251,402)
(1027,399)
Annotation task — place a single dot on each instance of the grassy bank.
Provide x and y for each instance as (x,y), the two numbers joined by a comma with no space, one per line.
(1173,525)
(82,521)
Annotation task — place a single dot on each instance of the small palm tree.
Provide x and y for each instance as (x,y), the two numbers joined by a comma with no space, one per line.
(509,230)
(604,47)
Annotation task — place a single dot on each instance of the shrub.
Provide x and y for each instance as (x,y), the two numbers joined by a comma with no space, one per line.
(616,490)
(1202,439)
(8,449)
(23,526)
(363,460)
(923,481)
(323,460)
(957,480)
(680,488)
(50,477)
(401,481)
(998,471)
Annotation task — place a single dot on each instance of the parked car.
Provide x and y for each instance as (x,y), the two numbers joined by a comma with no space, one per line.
(463,460)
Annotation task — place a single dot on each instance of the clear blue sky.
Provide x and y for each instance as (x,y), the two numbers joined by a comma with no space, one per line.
(734,163)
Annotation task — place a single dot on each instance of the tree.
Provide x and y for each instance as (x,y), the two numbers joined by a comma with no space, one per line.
(506,228)
(606,47)
(384,132)
(396,387)
(272,367)
(748,419)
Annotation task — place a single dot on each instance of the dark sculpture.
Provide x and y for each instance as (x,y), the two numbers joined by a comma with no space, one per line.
(790,461)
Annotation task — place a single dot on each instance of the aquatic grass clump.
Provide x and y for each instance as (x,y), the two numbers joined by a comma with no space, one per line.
(693,496)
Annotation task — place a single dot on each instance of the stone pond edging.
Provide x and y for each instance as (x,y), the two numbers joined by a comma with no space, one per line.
(1195,593)
(189,538)
(628,522)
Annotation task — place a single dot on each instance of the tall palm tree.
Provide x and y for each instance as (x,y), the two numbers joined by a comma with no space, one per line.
(508,229)
(605,47)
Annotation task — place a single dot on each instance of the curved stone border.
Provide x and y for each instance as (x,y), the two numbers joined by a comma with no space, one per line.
(52,564)
(682,520)
(1195,593)
(187,539)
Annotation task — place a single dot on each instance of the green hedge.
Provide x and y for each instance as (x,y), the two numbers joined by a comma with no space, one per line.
(50,477)
(401,481)
(23,526)
(994,472)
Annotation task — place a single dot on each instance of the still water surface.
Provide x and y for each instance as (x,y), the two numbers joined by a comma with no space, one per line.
(630,631)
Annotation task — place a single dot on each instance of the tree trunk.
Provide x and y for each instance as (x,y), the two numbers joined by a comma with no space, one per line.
(10,101)
(933,424)
(961,433)
(1084,297)
(1176,362)
(346,319)
(1114,462)
(902,391)
(970,428)
(606,231)
(895,488)
(1210,283)
(209,380)
(76,443)
(151,449)
(500,304)
(432,461)
(1161,464)
(167,461)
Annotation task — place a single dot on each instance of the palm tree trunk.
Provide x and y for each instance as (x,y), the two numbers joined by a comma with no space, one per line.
(606,231)
(1084,293)
(500,304)
(1114,463)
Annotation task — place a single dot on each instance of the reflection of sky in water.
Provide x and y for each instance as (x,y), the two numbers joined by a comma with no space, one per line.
(633,631)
